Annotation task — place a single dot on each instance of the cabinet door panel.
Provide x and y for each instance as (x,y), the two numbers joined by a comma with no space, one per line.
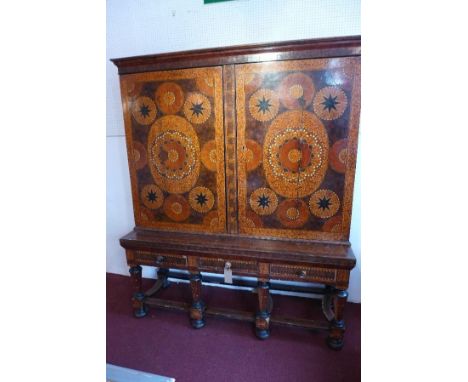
(175,143)
(297,125)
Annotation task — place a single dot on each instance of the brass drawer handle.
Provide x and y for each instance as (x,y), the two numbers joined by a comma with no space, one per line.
(302,273)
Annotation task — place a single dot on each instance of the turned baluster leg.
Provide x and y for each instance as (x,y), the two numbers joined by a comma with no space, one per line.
(198,307)
(139,307)
(337,326)
(262,318)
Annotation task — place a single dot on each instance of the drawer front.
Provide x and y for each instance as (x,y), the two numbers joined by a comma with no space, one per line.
(157,259)
(299,273)
(237,266)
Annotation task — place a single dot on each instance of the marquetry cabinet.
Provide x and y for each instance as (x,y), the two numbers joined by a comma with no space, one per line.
(242,163)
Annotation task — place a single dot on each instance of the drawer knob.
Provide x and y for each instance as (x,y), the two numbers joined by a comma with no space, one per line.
(301,273)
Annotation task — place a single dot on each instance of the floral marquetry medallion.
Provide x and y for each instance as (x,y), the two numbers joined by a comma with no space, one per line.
(296,147)
(174,129)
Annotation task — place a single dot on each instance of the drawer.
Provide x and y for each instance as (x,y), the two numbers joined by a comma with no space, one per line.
(302,273)
(157,259)
(237,266)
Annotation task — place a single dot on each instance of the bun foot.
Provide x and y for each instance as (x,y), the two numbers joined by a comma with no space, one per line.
(197,318)
(139,308)
(197,324)
(140,312)
(262,334)
(335,344)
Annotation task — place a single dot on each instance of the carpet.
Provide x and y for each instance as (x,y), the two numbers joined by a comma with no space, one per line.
(164,343)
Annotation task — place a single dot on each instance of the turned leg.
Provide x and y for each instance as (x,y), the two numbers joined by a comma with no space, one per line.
(198,307)
(139,307)
(262,318)
(337,326)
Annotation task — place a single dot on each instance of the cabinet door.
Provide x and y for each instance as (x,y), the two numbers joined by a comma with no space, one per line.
(174,130)
(297,127)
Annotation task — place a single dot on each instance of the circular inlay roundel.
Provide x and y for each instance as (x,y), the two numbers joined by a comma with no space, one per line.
(176,208)
(152,196)
(252,154)
(146,215)
(292,213)
(252,82)
(201,199)
(173,154)
(263,201)
(211,219)
(251,220)
(197,108)
(339,155)
(139,155)
(263,105)
(295,154)
(296,91)
(209,156)
(206,84)
(333,224)
(169,97)
(144,110)
(324,203)
(330,103)
(133,88)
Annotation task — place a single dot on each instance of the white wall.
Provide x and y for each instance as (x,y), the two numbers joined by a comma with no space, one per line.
(151,26)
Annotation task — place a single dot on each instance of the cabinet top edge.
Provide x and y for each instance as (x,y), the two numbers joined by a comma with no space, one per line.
(238,54)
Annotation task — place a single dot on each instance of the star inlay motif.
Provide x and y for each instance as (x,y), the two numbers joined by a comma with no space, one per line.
(324,203)
(144,110)
(263,105)
(263,201)
(151,196)
(201,199)
(329,103)
(197,109)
